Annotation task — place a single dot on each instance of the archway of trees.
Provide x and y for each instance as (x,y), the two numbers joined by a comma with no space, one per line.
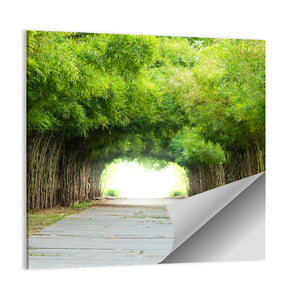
(93,98)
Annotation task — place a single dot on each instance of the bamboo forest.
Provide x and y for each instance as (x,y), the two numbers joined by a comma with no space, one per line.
(94,98)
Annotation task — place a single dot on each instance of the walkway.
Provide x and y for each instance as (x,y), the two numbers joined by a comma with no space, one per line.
(116,233)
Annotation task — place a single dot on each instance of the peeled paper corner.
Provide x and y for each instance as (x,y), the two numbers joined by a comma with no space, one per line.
(223,224)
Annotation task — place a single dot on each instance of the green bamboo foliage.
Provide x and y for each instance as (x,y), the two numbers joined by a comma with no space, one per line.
(228,103)
(92,98)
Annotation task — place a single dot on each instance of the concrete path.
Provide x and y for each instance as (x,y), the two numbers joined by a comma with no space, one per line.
(109,234)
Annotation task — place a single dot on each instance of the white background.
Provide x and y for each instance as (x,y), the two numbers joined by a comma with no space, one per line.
(275,278)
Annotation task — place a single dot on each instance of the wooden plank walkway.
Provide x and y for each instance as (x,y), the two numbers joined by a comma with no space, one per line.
(104,235)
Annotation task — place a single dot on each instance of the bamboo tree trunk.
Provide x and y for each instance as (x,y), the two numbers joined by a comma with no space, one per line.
(42,165)
(244,162)
(73,176)
(56,174)
(94,180)
(205,177)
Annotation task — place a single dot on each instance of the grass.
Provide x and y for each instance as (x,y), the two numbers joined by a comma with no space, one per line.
(177,193)
(37,220)
(83,205)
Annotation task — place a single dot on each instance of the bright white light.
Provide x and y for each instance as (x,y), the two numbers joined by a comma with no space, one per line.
(133,181)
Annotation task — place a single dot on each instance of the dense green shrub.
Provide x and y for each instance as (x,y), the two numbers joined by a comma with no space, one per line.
(111,192)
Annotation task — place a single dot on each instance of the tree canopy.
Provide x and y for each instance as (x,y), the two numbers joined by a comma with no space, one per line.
(198,102)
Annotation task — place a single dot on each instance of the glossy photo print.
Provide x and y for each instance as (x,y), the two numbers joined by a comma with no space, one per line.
(143,149)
